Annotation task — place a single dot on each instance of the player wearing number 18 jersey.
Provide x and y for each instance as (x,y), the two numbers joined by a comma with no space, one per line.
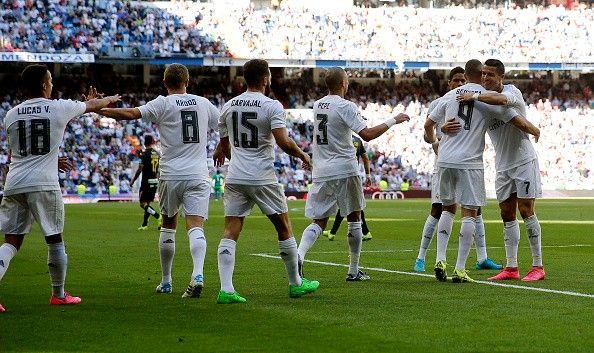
(248,125)
(184,121)
(35,130)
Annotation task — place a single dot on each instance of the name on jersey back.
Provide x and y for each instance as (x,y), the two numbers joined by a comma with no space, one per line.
(464,90)
(246,103)
(32,110)
(185,103)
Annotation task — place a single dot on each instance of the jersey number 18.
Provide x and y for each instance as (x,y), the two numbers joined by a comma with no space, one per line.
(40,137)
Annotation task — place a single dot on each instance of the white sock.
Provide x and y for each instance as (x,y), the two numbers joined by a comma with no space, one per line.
(355,238)
(167,252)
(533,230)
(479,239)
(57,262)
(288,252)
(151,210)
(226,259)
(465,242)
(511,237)
(197,249)
(309,237)
(444,229)
(7,252)
(428,230)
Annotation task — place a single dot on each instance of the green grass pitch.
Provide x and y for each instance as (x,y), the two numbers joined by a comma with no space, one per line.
(115,269)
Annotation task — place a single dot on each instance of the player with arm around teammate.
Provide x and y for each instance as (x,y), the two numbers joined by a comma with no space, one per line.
(183,120)
(335,172)
(149,168)
(248,124)
(460,161)
(517,183)
(35,130)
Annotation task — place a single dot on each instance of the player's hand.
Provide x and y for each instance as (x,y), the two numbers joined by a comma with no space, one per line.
(64,165)
(368,180)
(306,162)
(451,127)
(113,99)
(218,157)
(400,118)
(92,94)
(465,97)
(537,136)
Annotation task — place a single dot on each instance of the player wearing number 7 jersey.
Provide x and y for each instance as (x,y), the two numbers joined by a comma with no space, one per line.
(460,162)
(35,130)
(248,124)
(518,176)
(184,121)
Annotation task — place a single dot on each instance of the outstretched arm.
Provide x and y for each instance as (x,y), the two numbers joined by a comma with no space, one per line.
(121,113)
(371,133)
(523,124)
(290,147)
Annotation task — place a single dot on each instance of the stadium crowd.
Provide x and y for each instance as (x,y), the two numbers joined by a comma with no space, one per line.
(101,27)
(107,152)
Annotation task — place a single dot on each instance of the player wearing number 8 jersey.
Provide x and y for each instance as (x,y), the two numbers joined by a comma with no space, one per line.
(184,121)
(335,172)
(248,124)
(460,162)
(35,130)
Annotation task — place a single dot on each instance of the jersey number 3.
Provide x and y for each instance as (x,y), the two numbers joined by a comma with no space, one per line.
(322,134)
(40,137)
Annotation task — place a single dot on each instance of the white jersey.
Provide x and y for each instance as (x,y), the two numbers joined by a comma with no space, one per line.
(464,150)
(35,131)
(333,150)
(438,132)
(184,121)
(248,121)
(512,145)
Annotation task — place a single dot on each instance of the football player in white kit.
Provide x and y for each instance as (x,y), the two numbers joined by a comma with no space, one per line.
(248,125)
(35,130)
(517,183)
(456,79)
(460,161)
(183,120)
(335,172)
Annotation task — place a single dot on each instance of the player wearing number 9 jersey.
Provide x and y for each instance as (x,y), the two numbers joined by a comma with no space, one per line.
(35,130)
(184,121)
(248,124)
(460,161)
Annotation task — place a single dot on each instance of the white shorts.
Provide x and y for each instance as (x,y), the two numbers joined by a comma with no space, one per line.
(17,212)
(463,186)
(435,196)
(523,180)
(325,197)
(239,199)
(193,195)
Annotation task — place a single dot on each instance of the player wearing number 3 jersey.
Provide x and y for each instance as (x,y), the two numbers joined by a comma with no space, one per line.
(184,121)
(35,130)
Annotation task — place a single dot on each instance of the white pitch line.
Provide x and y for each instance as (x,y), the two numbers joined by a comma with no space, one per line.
(451,249)
(489,283)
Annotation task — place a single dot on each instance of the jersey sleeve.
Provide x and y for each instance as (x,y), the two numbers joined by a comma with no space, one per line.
(514,99)
(153,110)
(353,118)
(222,123)
(507,114)
(277,116)
(437,114)
(213,117)
(71,109)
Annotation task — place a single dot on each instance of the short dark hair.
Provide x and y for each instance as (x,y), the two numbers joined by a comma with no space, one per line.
(454,71)
(497,64)
(32,79)
(473,68)
(148,140)
(176,75)
(254,70)
(334,78)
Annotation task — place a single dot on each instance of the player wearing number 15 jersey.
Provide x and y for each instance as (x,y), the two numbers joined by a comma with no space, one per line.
(248,124)
(184,121)
(35,130)
(460,162)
